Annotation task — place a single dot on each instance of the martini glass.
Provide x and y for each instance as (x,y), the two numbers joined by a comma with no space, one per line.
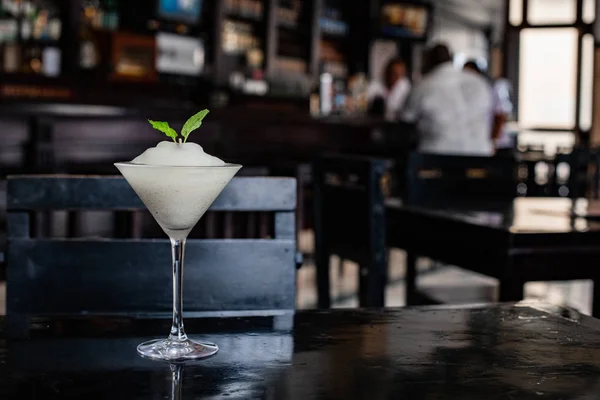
(177,197)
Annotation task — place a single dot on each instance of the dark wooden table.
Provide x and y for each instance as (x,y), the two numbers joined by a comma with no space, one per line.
(487,352)
(528,240)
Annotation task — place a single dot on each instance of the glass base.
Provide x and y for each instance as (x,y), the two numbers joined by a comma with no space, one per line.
(169,350)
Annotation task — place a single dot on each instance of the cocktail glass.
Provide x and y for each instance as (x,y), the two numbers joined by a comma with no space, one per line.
(177,197)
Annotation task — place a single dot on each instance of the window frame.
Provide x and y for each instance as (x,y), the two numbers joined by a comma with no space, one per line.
(512,47)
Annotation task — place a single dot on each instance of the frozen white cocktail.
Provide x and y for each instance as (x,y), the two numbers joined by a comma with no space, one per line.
(177,181)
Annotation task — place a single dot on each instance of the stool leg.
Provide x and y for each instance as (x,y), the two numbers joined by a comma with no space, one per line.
(372,282)
(511,283)
(411,279)
(511,290)
(323,284)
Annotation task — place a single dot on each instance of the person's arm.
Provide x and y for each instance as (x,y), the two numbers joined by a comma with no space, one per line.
(499,121)
(502,109)
(412,107)
(410,115)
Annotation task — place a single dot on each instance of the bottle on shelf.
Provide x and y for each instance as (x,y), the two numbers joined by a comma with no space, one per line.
(111,17)
(245,8)
(102,14)
(89,52)
(26,30)
(12,58)
(315,101)
(51,61)
(339,96)
(55,29)
(358,94)
(32,60)
(326,93)
(332,22)
(238,37)
(9,30)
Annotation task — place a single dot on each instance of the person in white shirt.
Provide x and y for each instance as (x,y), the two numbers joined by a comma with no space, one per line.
(502,135)
(394,91)
(502,107)
(451,108)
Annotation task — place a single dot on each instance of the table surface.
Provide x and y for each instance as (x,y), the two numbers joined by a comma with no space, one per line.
(519,351)
(521,216)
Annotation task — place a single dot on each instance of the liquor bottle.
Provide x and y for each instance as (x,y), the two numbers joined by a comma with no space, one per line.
(326,93)
(89,53)
(12,58)
(339,96)
(32,60)
(26,29)
(51,61)
(112,15)
(315,101)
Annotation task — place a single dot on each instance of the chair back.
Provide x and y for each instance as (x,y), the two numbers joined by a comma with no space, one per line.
(535,173)
(349,194)
(131,276)
(441,180)
(571,176)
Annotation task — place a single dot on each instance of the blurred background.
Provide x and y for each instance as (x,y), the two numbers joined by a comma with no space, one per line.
(287,81)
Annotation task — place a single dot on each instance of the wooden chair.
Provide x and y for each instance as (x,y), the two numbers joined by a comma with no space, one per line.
(457,181)
(350,222)
(571,177)
(124,276)
(535,170)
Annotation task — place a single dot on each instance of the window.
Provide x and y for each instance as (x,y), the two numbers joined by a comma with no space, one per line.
(548,78)
(589,11)
(587,83)
(542,12)
(552,58)
(515,12)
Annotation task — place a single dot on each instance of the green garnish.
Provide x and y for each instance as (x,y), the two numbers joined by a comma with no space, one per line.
(164,128)
(191,125)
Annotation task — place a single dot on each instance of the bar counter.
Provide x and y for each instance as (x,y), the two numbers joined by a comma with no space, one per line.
(75,138)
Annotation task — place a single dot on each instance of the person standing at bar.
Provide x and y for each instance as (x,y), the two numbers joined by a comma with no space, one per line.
(450,108)
(394,92)
(501,107)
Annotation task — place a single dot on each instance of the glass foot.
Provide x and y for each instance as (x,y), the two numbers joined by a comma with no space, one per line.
(169,350)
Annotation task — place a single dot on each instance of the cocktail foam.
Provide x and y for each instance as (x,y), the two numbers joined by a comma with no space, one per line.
(171,154)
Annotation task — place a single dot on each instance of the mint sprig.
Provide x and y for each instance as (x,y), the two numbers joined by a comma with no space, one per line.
(191,125)
(164,128)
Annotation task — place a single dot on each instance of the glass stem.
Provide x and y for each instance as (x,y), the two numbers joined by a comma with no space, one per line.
(176,371)
(177,332)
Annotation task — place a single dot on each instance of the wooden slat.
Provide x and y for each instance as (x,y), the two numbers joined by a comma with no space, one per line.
(18,225)
(71,276)
(35,193)
(438,180)
(285,225)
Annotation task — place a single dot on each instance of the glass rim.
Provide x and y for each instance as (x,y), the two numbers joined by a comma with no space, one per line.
(131,164)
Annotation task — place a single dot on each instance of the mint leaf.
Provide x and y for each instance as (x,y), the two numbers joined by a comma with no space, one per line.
(164,128)
(192,124)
